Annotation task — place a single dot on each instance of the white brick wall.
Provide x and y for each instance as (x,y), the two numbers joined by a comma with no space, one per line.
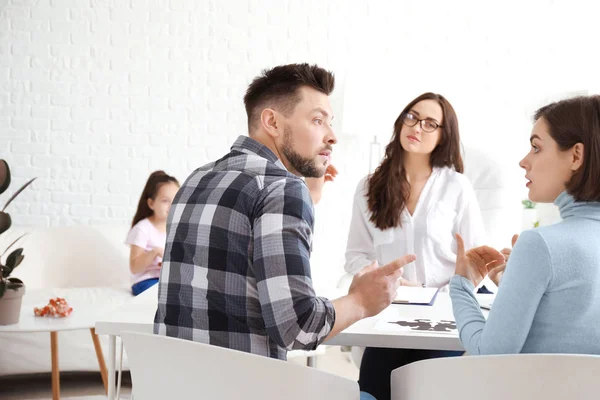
(94,95)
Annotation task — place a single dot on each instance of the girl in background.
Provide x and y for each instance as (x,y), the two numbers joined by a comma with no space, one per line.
(148,230)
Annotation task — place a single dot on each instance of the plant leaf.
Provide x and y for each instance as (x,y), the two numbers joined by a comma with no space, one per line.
(15,280)
(528,204)
(14,259)
(14,285)
(3,284)
(19,260)
(17,193)
(11,264)
(5,222)
(11,245)
(4,176)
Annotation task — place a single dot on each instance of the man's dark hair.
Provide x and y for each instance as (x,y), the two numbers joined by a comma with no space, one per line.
(277,88)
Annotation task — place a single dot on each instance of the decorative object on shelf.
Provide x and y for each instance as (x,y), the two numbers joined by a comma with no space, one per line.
(374,155)
(530,215)
(11,289)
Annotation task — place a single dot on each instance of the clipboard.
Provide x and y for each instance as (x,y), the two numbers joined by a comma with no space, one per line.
(416,296)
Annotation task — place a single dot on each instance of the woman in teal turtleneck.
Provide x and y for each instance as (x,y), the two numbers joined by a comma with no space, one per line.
(549,300)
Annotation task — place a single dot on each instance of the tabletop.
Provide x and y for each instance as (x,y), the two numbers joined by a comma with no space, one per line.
(88,305)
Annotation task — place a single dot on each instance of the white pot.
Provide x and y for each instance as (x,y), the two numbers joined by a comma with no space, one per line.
(10,306)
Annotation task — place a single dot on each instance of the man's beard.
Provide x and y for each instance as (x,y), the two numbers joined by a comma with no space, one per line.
(304,165)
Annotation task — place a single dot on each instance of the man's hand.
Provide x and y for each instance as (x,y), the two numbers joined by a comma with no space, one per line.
(497,272)
(315,185)
(375,288)
(475,263)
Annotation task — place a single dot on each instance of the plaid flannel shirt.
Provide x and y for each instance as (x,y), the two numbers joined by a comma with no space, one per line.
(236,270)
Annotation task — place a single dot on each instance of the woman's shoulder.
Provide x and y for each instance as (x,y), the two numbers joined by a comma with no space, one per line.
(458,181)
(363,186)
(451,175)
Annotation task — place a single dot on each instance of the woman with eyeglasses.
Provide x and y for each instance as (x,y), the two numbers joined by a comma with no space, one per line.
(414,203)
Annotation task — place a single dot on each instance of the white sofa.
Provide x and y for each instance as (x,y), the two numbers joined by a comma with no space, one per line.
(82,264)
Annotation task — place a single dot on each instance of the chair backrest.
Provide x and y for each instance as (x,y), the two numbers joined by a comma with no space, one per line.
(169,368)
(515,377)
(75,256)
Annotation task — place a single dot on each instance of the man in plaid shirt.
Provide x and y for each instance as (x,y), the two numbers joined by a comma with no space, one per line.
(236,269)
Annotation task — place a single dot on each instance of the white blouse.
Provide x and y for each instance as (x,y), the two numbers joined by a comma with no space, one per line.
(447,205)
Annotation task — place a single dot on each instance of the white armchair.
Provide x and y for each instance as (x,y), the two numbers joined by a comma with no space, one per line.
(515,377)
(182,369)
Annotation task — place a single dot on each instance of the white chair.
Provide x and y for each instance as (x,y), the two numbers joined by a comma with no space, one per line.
(310,355)
(515,377)
(169,368)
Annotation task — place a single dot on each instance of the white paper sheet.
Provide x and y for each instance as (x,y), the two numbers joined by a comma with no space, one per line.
(415,295)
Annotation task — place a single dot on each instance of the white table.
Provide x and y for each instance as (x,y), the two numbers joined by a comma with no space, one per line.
(138,316)
(364,334)
(84,316)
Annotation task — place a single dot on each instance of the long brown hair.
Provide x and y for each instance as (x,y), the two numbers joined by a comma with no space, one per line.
(388,187)
(572,121)
(153,185)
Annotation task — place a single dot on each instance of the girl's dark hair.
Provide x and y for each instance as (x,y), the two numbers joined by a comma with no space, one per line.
(153,184)
(572,121)
(388,187)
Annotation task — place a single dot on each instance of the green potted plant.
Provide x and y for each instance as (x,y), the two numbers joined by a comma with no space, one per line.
(11,289)
(530,214)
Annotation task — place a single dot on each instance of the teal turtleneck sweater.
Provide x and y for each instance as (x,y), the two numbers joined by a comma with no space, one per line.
(549,296)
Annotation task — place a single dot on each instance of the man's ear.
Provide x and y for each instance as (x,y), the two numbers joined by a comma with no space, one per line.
(269,122)
(577,156)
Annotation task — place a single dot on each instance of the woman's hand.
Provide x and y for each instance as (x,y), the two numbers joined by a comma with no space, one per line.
(475,263)
(497,272)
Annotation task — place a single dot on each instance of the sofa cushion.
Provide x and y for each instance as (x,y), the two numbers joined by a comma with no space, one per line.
(75,256)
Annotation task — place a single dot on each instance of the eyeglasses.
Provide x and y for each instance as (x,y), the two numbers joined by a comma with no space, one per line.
(410,119)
